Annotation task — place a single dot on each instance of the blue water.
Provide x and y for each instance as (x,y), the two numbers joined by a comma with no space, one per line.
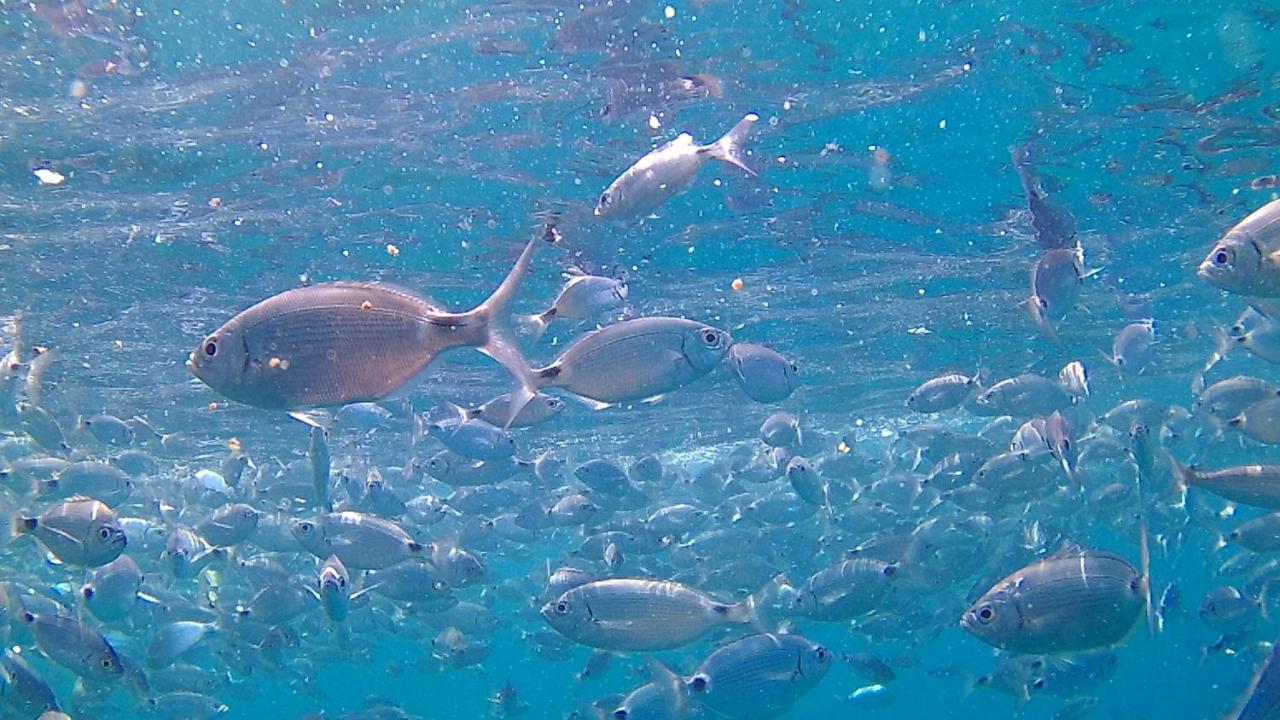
(213,154)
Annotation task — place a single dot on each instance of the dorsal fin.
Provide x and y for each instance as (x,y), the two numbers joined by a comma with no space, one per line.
(1068,549)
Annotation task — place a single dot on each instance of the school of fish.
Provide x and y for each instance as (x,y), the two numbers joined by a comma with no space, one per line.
(1035,518)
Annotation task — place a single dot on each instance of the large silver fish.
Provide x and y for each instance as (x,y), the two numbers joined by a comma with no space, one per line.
(636,359)
(1073,600)
(761,676)
(639,614)
(348,342)
(1246,261)
(79,531)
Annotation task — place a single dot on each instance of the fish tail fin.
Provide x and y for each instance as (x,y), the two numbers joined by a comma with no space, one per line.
(1144,557)
(536,324)
(497,341)
(1221,346)
(746,612)
(1183,476)
(729,147)
(22,526)
(1035,305)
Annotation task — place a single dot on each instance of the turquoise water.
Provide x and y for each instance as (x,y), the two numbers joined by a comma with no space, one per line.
(209,155)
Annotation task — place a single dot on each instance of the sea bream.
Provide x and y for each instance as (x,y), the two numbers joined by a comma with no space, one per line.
(332,344)
(1072,600)
(1246,261)
(669,171)
(638,614)
(634,360)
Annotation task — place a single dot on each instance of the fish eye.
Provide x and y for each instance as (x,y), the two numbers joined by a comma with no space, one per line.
(342,582)
(604,199)
(620,714)
(305,527)
(986,614)
(1222,256)
(104,533)
(211,346)
(710,337)
(562,608)
(821,654)
(106,662)
(698,683)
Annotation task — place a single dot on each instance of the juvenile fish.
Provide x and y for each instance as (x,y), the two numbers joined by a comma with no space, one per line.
(669,171)
(765,375)
(1133,346)
(843,591)
(583,297)
(540,409)
(110,591)
(942,393)
(634,360)
(74,645)
(362,542)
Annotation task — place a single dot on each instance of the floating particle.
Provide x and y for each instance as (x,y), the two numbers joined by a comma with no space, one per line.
(736,284)
(392,250)
(669,12)
(49,177)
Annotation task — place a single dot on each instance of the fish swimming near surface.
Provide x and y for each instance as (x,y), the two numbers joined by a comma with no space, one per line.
(669,171)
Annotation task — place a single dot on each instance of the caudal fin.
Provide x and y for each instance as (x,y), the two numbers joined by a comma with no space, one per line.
(537,323)
(498,343)
(729,148)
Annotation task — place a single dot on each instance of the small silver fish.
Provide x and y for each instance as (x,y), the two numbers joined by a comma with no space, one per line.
(333,588)
(634,360)
(765,375)
(1133,346)
(541,408)
(942,393)
(781,429)
(229,525)
(172,640)
(362,542)
(583,297)
(110,591)
(74,645)
(80,531)
(669,171)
